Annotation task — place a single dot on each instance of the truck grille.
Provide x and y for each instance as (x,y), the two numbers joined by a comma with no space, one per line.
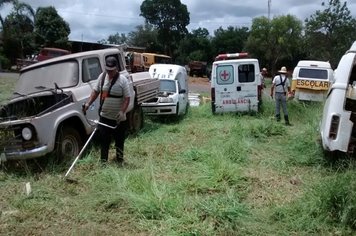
(11,140)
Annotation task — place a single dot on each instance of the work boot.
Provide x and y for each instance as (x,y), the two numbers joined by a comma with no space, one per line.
(278,118)
(287,121)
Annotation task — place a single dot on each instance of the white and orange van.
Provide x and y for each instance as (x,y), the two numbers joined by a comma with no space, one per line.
(311,80)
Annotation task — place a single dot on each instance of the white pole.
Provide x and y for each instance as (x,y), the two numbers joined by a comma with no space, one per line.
(269,9)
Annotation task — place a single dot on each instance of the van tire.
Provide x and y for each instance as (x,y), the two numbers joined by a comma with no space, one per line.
(68,144)
(213,108)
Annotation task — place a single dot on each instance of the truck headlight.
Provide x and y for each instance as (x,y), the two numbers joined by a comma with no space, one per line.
(165,100)
(26,133)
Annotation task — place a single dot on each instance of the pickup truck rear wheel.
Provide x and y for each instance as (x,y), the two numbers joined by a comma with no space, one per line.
(68,144)
(135,120)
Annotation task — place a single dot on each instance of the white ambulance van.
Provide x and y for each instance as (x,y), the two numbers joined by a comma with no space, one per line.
(311,80)
(236,84)
(172,98)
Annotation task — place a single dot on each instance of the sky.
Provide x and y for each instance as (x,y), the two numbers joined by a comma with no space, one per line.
(93,20)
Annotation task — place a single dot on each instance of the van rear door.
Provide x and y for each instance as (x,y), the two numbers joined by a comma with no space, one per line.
(236,86)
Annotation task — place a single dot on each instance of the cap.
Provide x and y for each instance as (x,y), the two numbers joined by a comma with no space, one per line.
(111,63)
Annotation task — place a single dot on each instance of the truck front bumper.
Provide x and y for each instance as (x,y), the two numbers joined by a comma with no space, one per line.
(8,155)
(159,109)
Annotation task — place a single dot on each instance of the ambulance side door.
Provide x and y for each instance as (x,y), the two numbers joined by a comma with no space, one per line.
(247,87)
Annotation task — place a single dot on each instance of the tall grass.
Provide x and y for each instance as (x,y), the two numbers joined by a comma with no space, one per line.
(202,175)
(6,84)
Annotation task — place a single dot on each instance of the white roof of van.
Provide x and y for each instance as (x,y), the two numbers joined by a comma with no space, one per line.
(170,70)
(242,60)
(311,63)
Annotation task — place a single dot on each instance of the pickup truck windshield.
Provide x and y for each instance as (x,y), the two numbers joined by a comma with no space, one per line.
(64,74)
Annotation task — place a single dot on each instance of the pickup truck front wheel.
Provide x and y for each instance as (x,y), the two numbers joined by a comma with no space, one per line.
(68,144)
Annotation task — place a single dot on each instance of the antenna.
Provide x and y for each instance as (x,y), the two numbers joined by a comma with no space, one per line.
(269,9)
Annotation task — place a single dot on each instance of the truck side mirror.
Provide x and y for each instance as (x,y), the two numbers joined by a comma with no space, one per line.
(182,91)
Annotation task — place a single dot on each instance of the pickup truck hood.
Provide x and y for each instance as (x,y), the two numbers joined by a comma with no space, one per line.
(34,105)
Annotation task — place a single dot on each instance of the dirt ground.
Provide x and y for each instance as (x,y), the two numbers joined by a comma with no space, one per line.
(199,84)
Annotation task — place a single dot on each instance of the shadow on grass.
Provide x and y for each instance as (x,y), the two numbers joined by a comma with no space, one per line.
(340,161)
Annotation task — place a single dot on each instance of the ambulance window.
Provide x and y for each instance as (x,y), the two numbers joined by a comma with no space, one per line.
(313,73)
(225,74)
(246,73)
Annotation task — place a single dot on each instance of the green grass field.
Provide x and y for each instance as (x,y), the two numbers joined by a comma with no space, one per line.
(203,175)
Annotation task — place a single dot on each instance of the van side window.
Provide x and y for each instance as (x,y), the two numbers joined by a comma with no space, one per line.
(246,73)
(225,74)
(91,69)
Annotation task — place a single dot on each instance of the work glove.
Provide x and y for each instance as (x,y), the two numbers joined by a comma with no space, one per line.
(121,117)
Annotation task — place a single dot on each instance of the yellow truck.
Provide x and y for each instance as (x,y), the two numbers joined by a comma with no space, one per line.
(155,58)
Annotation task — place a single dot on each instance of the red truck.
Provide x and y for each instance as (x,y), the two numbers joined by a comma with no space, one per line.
(198,68)
(44,54)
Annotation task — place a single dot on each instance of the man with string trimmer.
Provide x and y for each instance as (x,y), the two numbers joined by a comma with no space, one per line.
(114,92)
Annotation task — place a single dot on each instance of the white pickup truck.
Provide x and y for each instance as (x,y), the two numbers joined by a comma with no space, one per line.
(338,129)
(45,114)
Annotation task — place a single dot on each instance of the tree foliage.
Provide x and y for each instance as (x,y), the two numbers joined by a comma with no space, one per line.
(275,41)
(230,40)
(17,31)
(170,17)
(145,36)
(196,46)
(117,39)
(329,33)
(2,3)
(50,28)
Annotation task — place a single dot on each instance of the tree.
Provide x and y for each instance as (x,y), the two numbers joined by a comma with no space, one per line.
(145,36)
(117,39)
(18,31)
(196,46)
(329,33)
(170,17)
(275,41)
(2,3)
(230,40)
(50,28)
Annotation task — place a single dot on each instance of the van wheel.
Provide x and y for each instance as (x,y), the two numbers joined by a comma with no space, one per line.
(68,144)
(135,118)
(213,108)
(186,108)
